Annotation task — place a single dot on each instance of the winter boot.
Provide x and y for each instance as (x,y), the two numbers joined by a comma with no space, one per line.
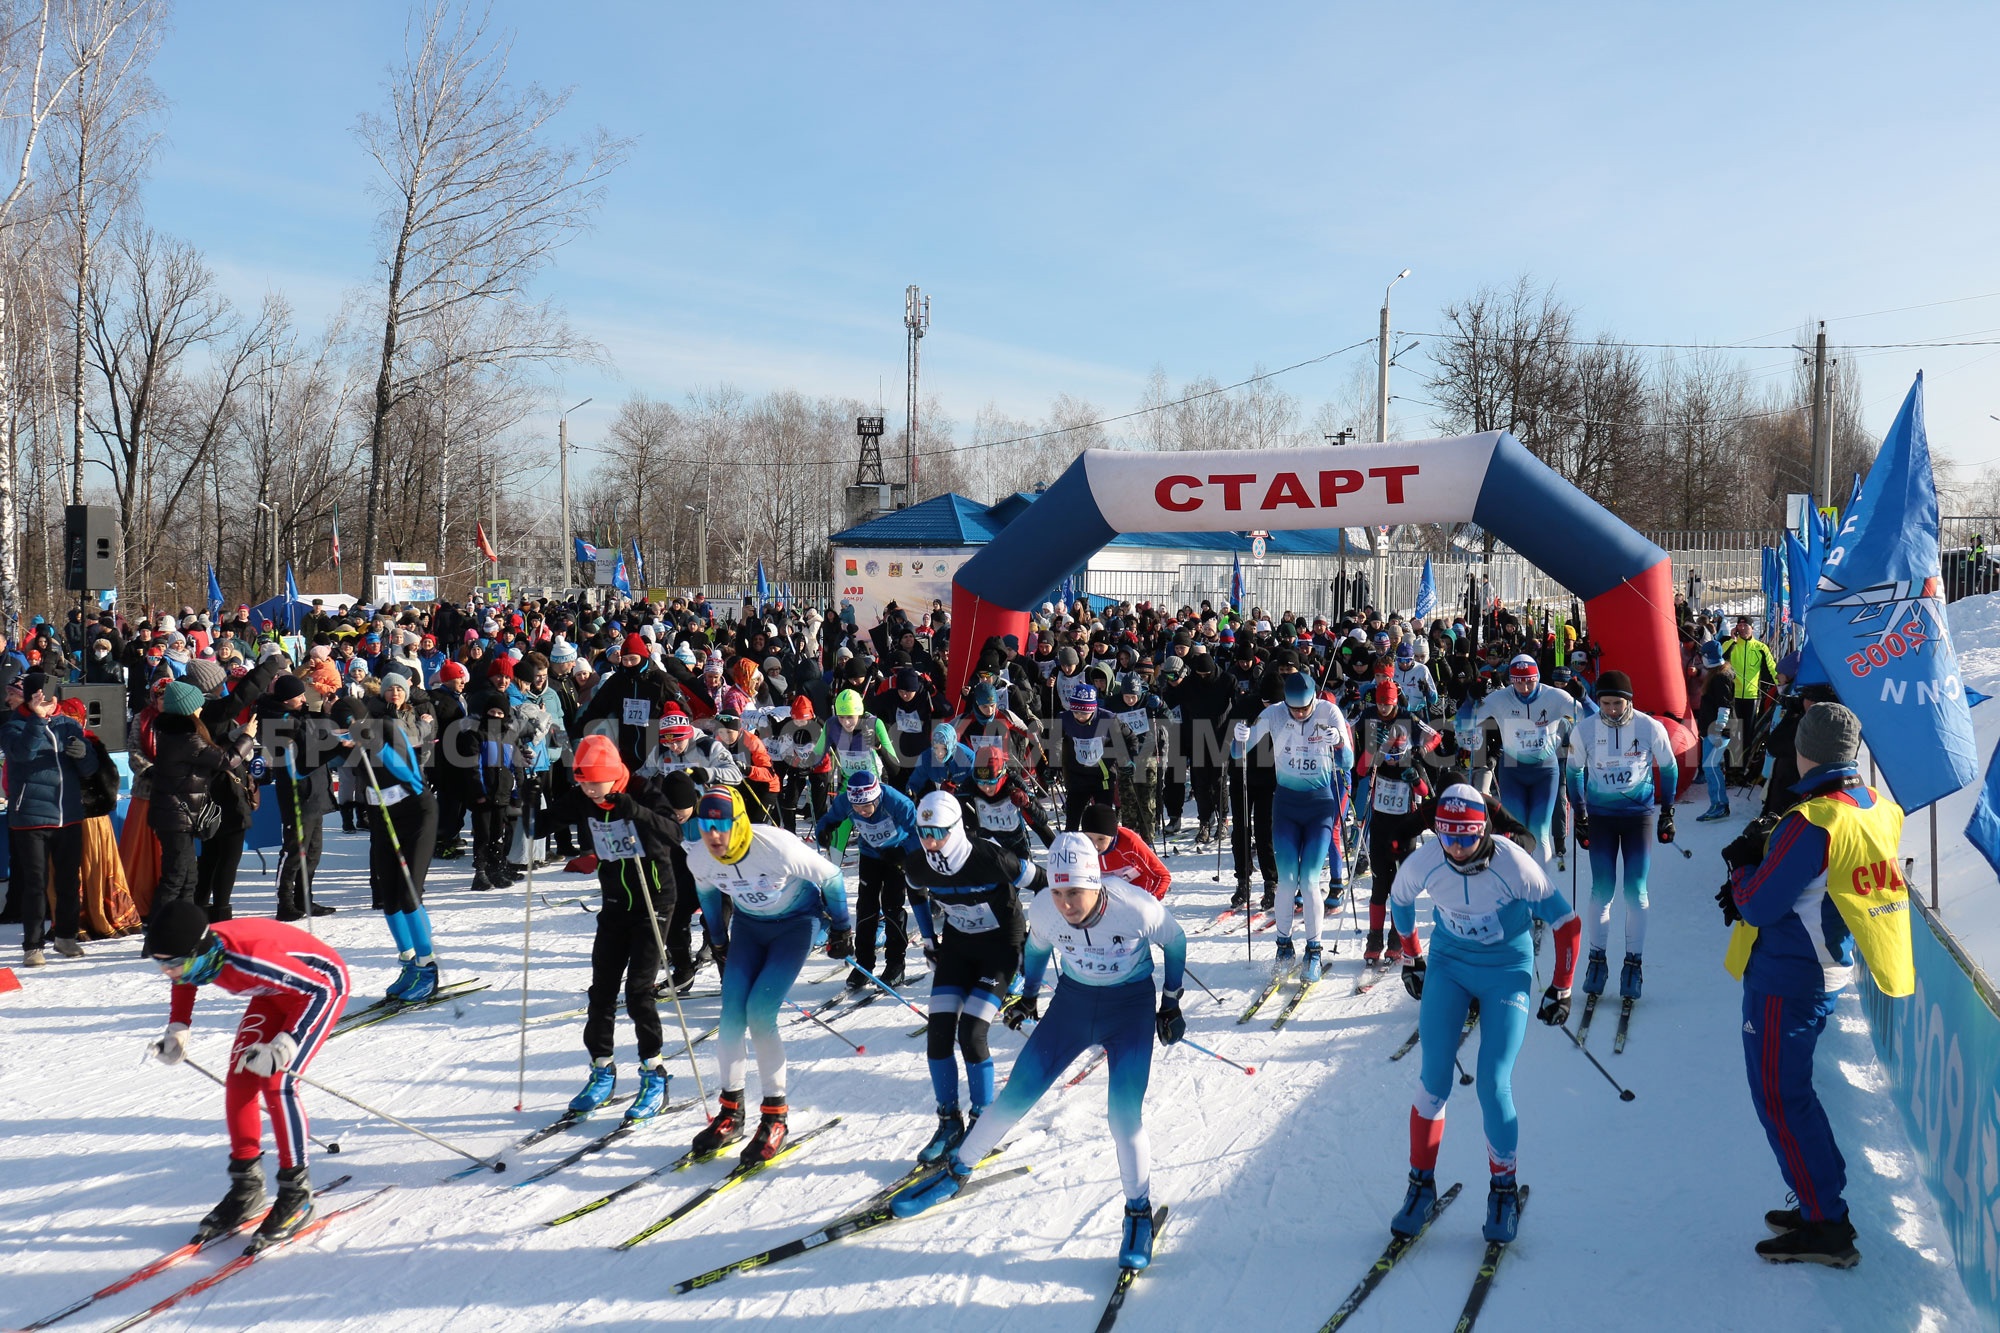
(406,978)
(1314,966)
(34,958)
(1137,1250)
(482,878)
(1241,898)
(597,1089)
(322,909)
(243,1202)
(1286,953)
(1417,1203)
(1713,813)
(950,1132)
(1781,1220)
(67,948)
(1269,902)
(424,984)
(1503,1207)
(1371,952)
(1825,1242)
(1596,972)
(725,1128)
(934,1189)
(652,1098)
(771,1134)
(1629,979)
(290,1211)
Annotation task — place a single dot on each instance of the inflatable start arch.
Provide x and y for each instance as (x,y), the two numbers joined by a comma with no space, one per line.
(1489,479)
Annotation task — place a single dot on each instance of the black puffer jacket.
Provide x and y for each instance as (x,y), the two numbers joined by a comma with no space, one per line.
(185,772)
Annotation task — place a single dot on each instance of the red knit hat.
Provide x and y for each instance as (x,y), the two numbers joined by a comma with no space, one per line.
(634,646)
(454,671)
(597,760)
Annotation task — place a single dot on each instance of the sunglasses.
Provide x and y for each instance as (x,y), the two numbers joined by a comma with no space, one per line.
(714,825)
(933,833)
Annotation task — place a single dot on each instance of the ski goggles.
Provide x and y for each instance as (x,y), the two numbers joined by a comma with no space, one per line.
(933,832)
(193,970)
(1461,833)
(714,825)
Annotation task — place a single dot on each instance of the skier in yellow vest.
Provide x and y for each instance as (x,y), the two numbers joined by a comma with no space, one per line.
(1829,887)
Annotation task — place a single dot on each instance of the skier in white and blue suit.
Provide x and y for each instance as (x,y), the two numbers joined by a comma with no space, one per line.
(1102,930)
(1485,892)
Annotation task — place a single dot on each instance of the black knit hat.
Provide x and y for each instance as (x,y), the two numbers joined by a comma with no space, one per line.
(178,930)
(1100,818)
(1614,685)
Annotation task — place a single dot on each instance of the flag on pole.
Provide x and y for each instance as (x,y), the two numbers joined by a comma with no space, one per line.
(1068,593)
(1236,583)
(1427,593)
(763,584)
(336,532)
(1983,831)
(486,550)
(214,594)
(586,552)
(619,580)
(1877,622)
(291,600)
(638,562)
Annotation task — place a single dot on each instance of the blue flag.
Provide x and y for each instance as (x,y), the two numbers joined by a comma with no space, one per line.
(638,562)
(1877,622)
(291,599)
(1068,592)
(1427,593)
(763,584)
(214,592)
(1236,584)
(586,554)
(618,579)
(1983,831)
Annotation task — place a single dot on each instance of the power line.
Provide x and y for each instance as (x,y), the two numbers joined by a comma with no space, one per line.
(1700,347)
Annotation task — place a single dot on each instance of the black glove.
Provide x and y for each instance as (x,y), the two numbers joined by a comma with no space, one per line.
(1582,830)
(1555,1006)
(930,954)
(622,805)
(1725,898)
(719,957)
(1413,977)
(1666,828)
(839,943)
(1168,1023)
(1748,847)
(1026,1009)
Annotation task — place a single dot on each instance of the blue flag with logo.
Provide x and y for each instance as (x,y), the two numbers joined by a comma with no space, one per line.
(1068,592)
(1427,593)
(619,580)
(1236,584)
(763,584)
(638,562)
(586,554)
(1983,831)
(291,599)
(214,592)
(1877,622)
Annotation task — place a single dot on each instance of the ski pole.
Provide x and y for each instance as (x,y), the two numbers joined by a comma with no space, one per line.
(527,958)
(395,841)
(1188,1041)
(1625,1094)
(1203,984)
(489,1163)
(858,1050)
(687,1044)
(209,1074)
(299,832)
(892,992)
(1464,1079)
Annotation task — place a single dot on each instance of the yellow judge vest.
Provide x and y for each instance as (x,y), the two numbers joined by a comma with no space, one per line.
(1864,877)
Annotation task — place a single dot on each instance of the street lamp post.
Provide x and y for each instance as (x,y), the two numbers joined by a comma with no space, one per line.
(562,463)
(272,510)
(1382,421)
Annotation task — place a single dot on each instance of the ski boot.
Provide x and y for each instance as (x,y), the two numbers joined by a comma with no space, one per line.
(771,1134)
(725,1128)
(1240,899)
(1286,953)
(597,1090)
(1829,1242)
(1360,863)
(404,979)
(1392,956)
(934,1189)
(1269,902)
(1503,1207)
(1332,902)
(1596,972)
(682,977)
(1713,813)
(1629,979)
(1313,966)
(1417,1203)
(855,981)
(290,1212)
(1371,952)
(450,851)
(242,1204)
(950,1133)
(1137,1251)
(425,983)
(652,1098)
(894,974)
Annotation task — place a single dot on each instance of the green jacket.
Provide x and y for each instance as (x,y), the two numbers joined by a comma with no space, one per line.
(1751,660)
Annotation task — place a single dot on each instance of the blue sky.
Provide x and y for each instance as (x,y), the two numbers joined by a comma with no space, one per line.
(1090,191)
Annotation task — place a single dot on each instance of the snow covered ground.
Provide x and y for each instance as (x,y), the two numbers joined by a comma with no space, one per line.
(1643,1214)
